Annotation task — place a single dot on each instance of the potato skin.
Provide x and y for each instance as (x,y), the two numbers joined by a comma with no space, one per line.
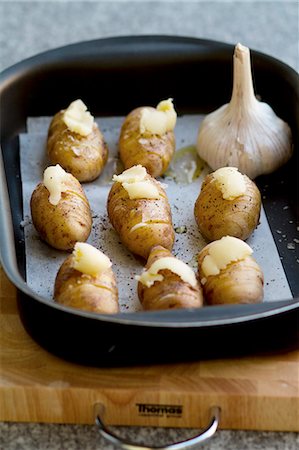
(217,217)
(97,294)
(240,282)
(150,150)
(125,213)
(82,156)
(170,293)
(66,223)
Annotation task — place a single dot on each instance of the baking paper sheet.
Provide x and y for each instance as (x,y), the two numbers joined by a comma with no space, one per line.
(43,262)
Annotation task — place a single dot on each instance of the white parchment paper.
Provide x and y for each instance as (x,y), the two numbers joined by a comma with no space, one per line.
(43,262)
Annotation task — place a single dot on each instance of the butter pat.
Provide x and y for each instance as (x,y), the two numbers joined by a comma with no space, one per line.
(132,175)
(134,182)
(160,120)
(142,189)
(223,252)
(54,180)
(230,182)
(171,263)
(78,119)
(89,260)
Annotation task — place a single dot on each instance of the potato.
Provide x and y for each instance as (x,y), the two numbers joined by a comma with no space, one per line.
(91,293)
(171,292)
(62,225)
(240,281)
(217,217)
(82,156)
(141,223)
(152,151)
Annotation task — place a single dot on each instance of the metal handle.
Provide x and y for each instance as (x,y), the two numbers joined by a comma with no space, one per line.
(186,444)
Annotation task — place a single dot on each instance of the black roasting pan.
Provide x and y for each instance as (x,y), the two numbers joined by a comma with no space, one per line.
(113,76)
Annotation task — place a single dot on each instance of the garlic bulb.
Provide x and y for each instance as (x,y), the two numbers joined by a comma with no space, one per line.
(244,133)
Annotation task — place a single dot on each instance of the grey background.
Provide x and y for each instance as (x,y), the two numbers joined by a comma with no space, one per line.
(28,27)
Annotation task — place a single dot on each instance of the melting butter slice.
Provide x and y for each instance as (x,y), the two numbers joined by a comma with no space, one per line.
(171,263)
(222,252)
(78,119)
(89,260)
(54,180)
(134,182)
(230,182)
(160,120)
(142,189)
(132,175)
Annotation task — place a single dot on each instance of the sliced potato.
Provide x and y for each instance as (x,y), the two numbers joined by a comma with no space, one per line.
(82,156)
(170,291)
(240,281)
(96,293)
(66,223)
(152,151)
(141,223)
(217,217)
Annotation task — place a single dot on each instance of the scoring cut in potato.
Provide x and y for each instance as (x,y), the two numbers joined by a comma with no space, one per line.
(139,211)
(76,143)
(229,274)
(60,210)
(229,204)
(168,283)
(147,138)
(86,281)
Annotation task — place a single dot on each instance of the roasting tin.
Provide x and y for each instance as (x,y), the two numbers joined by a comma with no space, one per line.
(113,76)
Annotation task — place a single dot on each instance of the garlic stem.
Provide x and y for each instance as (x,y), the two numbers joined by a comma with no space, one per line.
(243,92)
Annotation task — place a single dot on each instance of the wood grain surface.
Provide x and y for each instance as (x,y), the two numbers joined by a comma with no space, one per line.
(257,393)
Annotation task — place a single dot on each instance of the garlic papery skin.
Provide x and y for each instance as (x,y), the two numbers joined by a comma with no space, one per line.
(244,133)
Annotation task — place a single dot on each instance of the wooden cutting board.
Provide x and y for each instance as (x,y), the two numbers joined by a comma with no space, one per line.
(259,393)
